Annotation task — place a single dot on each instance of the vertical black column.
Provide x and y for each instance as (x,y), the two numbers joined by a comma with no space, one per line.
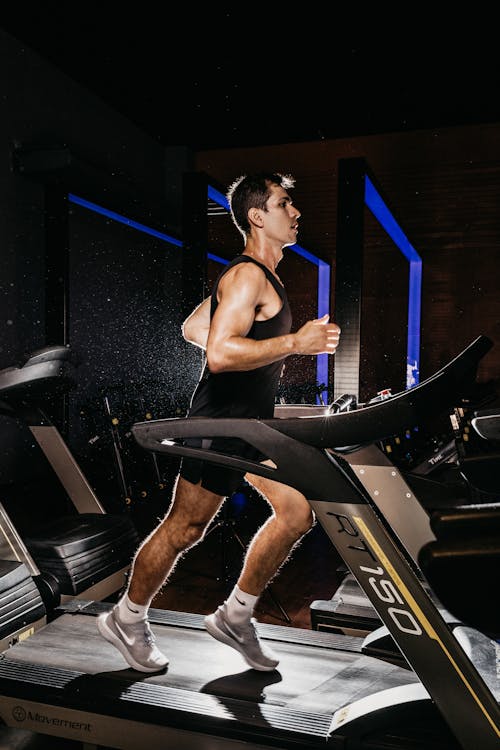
(57,287)
(194,239)
(56,266)
(349,273)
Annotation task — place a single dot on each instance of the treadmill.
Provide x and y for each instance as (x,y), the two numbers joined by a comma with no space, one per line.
(81,550)
(349,610)
(328,690)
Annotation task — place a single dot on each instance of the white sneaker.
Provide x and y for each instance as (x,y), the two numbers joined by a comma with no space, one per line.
(243,638)
(135,642)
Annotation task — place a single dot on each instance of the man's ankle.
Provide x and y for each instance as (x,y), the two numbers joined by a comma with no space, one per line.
(239,606)
(129,612)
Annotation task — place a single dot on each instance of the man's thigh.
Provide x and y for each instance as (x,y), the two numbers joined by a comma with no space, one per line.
(281,497)
(193,504)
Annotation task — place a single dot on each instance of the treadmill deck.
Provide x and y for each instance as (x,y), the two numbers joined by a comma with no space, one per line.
(68,674)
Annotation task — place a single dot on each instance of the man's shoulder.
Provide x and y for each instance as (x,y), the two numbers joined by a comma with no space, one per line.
(247,268)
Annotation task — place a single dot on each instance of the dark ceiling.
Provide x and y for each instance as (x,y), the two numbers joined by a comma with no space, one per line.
(207,78)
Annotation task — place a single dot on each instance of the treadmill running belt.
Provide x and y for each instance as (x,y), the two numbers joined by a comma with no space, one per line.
(207,688)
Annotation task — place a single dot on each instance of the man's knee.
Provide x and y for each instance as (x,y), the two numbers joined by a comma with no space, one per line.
(304,519)
(297,516)
(192,510)
(188,535)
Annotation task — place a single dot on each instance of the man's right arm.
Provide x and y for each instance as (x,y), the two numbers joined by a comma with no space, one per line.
(228,348)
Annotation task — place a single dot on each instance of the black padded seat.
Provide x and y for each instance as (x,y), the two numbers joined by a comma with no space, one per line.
(80,550)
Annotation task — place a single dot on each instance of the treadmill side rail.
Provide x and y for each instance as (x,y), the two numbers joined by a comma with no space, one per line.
(66,468)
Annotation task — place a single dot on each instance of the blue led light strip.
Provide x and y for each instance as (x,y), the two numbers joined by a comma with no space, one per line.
(123,219)
(217,259)
(384,216)
(323,285)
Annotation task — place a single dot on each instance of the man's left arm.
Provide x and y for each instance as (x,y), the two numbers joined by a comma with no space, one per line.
(196,326)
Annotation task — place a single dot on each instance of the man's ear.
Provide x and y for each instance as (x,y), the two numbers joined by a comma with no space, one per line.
(255,217)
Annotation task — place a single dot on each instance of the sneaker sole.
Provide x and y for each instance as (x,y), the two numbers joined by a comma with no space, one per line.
(108,634)
(219,635)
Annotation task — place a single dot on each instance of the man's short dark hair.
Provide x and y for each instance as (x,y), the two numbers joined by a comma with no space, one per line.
(253,191)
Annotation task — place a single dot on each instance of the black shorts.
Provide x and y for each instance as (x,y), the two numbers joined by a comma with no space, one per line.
(218,479)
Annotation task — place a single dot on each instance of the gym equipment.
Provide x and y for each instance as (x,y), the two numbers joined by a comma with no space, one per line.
(349,611)
(22,610)
(467,541)
(327,692)
(84,551)
(467,546)
(486,422)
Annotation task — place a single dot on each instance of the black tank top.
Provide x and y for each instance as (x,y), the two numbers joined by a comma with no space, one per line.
(251,393)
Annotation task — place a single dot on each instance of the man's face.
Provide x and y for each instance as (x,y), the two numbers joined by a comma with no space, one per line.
(281,217)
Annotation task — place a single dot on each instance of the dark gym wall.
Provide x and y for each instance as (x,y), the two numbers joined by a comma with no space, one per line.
(125,324)
(125,305)
(443,187)
(42,107)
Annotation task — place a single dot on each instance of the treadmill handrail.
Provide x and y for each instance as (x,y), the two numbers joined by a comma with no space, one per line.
(45,370)
(369,424)
(487,423)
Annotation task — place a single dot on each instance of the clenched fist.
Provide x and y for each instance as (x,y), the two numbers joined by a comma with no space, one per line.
(318,337)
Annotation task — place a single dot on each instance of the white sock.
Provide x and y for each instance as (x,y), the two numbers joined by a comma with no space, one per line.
(240,606)
(129,612)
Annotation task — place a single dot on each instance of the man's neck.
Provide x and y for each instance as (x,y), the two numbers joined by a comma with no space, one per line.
(267,255)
